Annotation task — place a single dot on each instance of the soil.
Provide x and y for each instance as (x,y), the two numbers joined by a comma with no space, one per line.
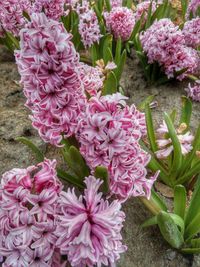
(145,246)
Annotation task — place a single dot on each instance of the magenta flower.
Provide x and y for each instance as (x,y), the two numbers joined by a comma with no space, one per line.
(120,22)
(49,68)
(109,132)
(11,14)
(89,228)
(53,9)
(165,44)
(194,91)
(191,32)
(28,215)
(165,144)
(88,24)
(143,7)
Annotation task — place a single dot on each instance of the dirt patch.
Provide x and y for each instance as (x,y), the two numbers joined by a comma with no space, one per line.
(145,247)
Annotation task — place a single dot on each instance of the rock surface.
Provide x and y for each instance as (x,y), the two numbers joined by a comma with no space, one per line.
(145,247)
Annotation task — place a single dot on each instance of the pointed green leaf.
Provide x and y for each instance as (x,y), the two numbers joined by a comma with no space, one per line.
(180,198)
(190,250)
(150,129)
(119,70)
(169,230)
(118,51)
(38,154)
(69,178)
(108,5)
(158,200)
(110,85)
(102,173)
(148,100)
(150,222)
(186,111)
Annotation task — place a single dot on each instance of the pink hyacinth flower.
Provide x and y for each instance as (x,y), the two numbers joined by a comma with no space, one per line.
(89,229)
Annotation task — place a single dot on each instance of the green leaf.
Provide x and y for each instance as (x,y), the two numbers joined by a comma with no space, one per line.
(94,54)
(110,85)
(190,250)
(108,57)
(26,15)
(148,100)
(148,20)
(158,200)
(186,111)
(108,5)
(12,39)
(105,44)
(150,222)
(118,51)
(102,173)
(137,28)
(178,221)
(150,128)
(184,5)
(69,178)
(180,198)
(177,154)
(119,70)
(195,170)
(38,154)
(195,243)
(169,230)
(194,207)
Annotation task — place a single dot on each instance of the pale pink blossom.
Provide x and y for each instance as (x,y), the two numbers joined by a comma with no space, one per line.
(193,8)
(53,9)
(165,143)
(116,3)
(191,32)
(11,14)
(193,90)
(109,132)
(88,24)
(28,215)
(143,8)
(49,67)
(92,79)
(120,22)
(164,43)
(89,228)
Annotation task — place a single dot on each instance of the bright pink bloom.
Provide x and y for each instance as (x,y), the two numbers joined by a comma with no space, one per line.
(88,24)
(49,68)
(164,43)
(11,14)
(28,215)
(165,144)
(89,228)
(53,9)
(193,8)
(120,22)
(109,132)
(191,32)
(194,91)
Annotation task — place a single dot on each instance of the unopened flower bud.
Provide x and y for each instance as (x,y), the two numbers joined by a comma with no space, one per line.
(182,128)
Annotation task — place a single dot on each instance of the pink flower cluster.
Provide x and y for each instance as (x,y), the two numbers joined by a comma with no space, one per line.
(92,79)
(164,43)
(28,204)
(52,9)
(143,8)
(109,132)
(89,227)
(193,7)
(116,3)
(88,24)
(11,14)
(48,64)
(120,22)
(165,144)
(191,32)
(194,91)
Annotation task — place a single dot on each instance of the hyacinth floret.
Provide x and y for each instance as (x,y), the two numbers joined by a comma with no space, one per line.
(120,22)
(109,132)
(28,210)
(89,227)
(11,15)
(49,68)
(164,43)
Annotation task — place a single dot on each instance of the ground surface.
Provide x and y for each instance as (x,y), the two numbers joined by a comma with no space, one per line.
(145,248)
